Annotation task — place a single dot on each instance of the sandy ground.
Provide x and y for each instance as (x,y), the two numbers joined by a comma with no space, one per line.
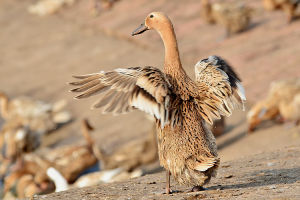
(40,54)
(271,175)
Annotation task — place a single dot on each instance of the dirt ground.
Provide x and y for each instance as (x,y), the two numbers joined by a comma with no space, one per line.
(40,54)
(272,175)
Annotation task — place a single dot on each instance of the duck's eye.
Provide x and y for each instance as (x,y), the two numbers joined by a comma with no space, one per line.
(151,16)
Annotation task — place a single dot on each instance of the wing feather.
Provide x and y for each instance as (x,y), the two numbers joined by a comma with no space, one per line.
(220,89)
(121,90)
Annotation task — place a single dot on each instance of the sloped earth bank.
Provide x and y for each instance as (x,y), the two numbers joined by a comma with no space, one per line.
(269,175)
(40,54)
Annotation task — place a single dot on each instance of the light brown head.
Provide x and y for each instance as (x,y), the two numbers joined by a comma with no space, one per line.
(262,111)
(162,24)
(3,95)
(155,20)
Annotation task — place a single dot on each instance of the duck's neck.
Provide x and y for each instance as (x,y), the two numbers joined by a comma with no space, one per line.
(3,105)
(172,65)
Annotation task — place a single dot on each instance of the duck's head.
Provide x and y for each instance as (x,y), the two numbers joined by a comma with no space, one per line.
(155,20)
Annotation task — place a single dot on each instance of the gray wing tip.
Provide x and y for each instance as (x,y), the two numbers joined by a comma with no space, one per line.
(75,90)
(81,96)
(72,83)
(78,76)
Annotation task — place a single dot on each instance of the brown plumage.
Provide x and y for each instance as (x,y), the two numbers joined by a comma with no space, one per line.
(218,126)
(235,17)
(48,7)
(283,101)
(181,106)
(72,160)
(17,139)
(28,177)
(130,156)
(37,115)
(99,5)
(288,6)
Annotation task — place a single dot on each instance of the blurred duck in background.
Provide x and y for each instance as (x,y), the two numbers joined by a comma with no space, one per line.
(39,116)
(53,170)
(48,7)
(100,5)
(282,104)
(234,16)
(16,139)
(132,155)
(27,177)
(288,6)
(49,169)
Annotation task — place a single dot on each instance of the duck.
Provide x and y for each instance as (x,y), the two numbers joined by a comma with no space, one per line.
(72,160)
(104,4)
(206,12)
(48,7)
(106,176)
(47,168)
(288,6)
(129,156)
(282,104)
(181,106)
(235,17)
(39,116)
(27,176)
(17,139)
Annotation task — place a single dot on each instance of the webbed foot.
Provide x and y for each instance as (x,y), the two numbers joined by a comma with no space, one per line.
(198,188)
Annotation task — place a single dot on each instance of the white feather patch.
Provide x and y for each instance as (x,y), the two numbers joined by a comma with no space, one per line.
(109,174)
(203,166)
(146,105)
(241,91)
(21,133)
(60,182)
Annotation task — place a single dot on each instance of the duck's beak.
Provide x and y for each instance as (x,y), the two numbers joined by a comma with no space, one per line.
(141,29)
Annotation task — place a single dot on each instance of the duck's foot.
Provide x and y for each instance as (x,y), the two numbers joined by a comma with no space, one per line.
(198,188)
(171,191)
(168,191)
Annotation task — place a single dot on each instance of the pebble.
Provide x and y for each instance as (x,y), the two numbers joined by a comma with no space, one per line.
(229,176)
(272,187)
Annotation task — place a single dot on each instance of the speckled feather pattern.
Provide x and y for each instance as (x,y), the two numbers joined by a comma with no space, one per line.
(181,106)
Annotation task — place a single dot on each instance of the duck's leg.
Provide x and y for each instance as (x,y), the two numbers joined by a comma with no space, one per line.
(168,175)
(289,9)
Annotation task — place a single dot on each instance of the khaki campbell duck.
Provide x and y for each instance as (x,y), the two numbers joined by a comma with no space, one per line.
(181,106)
(282,102)
(288,6)
(234,16)
(39,116)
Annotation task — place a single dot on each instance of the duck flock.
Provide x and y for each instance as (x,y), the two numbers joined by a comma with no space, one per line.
(27,167)
(186,114)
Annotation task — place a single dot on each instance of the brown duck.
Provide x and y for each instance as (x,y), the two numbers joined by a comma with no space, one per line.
(181,106)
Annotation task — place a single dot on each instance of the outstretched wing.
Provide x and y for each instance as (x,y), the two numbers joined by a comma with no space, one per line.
(120,90)
(220,89)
